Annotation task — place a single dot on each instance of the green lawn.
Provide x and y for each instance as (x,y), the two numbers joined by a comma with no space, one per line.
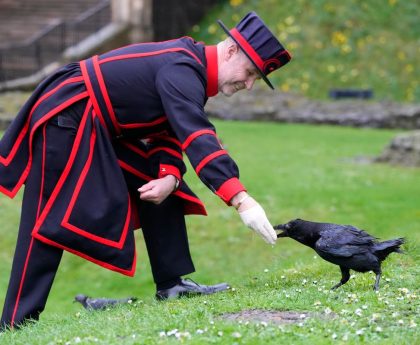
(294,171)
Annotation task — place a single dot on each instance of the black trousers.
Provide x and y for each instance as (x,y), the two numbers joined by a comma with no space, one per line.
(35,263)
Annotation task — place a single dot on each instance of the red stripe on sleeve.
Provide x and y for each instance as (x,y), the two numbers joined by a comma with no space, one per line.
(166,169)
(195,135)
(207,159)
(229,189)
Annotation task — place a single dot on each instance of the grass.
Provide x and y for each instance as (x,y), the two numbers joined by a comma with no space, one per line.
(336,44)
(294,171)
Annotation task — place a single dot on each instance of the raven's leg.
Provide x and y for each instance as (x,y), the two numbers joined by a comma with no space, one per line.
(345,276)
(378,278)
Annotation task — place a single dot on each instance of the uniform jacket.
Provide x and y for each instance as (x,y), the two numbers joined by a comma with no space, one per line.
(144,108)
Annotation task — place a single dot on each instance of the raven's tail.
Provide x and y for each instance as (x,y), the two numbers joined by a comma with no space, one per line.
(383,249)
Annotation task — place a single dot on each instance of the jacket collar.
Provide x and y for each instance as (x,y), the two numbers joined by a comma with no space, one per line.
(212,71)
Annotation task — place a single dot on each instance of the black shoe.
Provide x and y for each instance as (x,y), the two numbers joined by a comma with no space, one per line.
(188,287)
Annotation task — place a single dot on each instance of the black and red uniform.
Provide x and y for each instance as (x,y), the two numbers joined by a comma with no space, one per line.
(87,138)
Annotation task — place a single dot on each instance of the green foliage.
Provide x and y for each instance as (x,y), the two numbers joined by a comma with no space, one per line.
(336,44)
(294,171)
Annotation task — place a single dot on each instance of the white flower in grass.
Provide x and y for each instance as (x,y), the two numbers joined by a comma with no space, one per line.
(172,332)
(315,257)
(403,290)
(412,324)
(180,335)
(264,324)
(387,280)
(317,303)
(266,270)
(375,316)
(304,281)
(282,277)
(395,314)
(358,312)
(345,337)
(400,322)
(162,334)
(199,331)
(315,282)
(327,311)
(236,335)
(364,307)
(211,322)
(378,329)
(77,340)
(300,324)
(302,316)
(334,336)
(233,289)
(360,331)
(266,284)
(220,334)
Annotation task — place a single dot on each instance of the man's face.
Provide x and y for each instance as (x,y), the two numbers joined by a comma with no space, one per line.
(236,73)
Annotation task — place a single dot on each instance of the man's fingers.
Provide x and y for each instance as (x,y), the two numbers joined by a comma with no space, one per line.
(271,234)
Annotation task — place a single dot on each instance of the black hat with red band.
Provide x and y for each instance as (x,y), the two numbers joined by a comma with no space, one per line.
(259,45)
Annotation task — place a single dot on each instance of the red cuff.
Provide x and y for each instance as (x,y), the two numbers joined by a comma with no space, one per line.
(165,170)
(229,189)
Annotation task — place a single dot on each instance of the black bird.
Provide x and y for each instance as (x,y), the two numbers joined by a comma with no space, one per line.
(343,245)
(101,303)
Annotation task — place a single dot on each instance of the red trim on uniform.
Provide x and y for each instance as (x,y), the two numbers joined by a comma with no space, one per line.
(135,149)
(212,71)
(248,48)
(51,113)
(166,138)
(66,170)
(44,144)
(158,52)
(105,94)
(22,280)
(200,206)
(144,124)
(65,223)
(91,92)
(229,189)
(6,160)
(166,169)
(195,135)
(166,149)
(208,158)
(134,171)
(129,272)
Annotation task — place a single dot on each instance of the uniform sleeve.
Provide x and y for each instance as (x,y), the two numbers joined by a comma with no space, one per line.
(181,87)
(165,156)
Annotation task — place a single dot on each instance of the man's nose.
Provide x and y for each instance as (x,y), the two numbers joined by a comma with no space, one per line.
(250,83)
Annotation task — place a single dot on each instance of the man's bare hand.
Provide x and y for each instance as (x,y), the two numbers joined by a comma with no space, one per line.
(157,190)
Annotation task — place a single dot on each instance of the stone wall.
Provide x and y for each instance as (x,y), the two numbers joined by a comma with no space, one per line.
(404,149)
(262,104)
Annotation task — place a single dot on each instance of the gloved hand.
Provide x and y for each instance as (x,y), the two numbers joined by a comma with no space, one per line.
(254,217)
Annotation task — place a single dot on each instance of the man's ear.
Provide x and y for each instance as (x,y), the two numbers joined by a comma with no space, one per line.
(231,50)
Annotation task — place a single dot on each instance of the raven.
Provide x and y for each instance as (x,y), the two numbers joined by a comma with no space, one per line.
(101,303)
(343,245)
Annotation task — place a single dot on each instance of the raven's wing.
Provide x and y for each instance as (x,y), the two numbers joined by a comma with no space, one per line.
(343,241)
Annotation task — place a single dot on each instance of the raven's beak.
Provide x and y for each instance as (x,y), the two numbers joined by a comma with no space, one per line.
(283,227)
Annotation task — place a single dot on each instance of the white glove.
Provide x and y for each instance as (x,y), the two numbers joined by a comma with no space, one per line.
(255,219)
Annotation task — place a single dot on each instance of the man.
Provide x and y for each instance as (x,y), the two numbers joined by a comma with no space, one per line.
(97,133)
